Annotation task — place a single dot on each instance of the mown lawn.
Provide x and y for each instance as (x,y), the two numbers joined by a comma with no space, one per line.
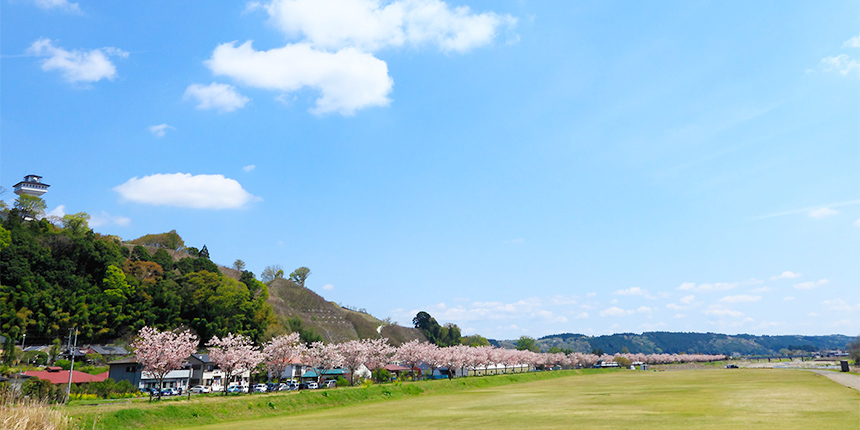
(707,399)
(699,399)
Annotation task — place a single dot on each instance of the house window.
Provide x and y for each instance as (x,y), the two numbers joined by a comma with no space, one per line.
(131,369)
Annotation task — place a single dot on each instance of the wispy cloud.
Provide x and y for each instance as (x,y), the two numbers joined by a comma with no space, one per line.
(807,210)
(105,218)
(742,298)
(160,130)
(215,96)
(249,168)
(822,213)
(785,275)
(63,5)
(718,286)
(811,285)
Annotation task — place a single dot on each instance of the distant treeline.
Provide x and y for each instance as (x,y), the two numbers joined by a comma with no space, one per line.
(660,342)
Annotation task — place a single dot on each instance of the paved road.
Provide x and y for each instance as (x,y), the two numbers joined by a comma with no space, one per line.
(846,379)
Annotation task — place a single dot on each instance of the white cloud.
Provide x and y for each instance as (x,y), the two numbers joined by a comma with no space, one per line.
(742,298)
(221,97)
(581,315)
(853,42)
(761,290)
(328,287)
(371,26)
(334,46)
(347,80)
(77,66)
(590,294)
(186,190)
(105,218)
(644,310)
(687,299)
(719,286)
(614,312)
(857,223)
(812,314)
(822,213)
(63,5)
(842,64)
(785,275)
(160,130)
(249,168)
(724,313)
(59,211)
(810,285)
(632,291)
(788,298)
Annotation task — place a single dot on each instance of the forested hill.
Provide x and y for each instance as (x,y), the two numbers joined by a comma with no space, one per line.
(58,274)
(704,343)
(54,278)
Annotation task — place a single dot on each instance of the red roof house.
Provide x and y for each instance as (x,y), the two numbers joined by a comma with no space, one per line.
(56,375)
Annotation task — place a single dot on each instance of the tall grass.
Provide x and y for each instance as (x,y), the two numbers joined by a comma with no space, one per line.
(18,413)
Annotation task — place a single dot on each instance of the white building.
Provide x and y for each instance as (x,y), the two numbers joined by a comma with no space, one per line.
(32,185)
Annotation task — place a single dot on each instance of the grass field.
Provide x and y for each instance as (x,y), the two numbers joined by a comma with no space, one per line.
(703,399)
(708,399)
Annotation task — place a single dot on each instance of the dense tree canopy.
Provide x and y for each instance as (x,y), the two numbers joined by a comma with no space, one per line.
(54,278)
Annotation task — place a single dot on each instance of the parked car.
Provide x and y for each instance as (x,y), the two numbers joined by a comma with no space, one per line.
(313,385)
(331,383)
(260,388)
(731,366)
(237,389)
(169,392)
(292,386)
(199,389)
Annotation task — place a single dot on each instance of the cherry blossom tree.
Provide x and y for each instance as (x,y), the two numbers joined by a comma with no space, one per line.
(322,357)
(160,352)
(410,354)
(378,354)
(234,354)
(279,352)
(354,353)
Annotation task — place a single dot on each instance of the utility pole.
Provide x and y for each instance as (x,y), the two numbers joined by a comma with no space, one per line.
(23,345)
(72,367)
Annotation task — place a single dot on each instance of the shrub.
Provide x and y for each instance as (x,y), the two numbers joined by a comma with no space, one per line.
(342,382)
(381,375)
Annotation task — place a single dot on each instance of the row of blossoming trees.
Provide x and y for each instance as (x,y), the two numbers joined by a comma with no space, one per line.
(161,352)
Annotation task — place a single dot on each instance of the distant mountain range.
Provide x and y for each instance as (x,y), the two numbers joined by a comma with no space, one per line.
(657,342)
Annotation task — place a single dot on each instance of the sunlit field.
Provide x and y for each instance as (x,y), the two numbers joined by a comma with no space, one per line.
(698,399)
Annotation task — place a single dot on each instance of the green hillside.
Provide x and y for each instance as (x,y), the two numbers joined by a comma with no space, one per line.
(332,322)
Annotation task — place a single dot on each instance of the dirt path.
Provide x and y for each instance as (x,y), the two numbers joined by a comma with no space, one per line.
(846,379)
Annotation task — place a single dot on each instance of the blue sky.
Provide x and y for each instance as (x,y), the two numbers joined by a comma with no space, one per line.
(513,167)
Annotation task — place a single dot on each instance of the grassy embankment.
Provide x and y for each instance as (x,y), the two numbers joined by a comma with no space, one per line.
(214,409)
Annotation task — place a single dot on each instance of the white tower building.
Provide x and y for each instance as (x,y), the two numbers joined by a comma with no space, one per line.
(31,185)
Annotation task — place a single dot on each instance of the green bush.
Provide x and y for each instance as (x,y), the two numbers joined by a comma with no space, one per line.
(381,375)
(342,382)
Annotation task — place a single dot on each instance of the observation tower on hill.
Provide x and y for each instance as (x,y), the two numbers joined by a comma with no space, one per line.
(32,185)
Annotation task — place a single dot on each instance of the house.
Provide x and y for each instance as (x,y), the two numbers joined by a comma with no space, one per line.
(128,369)
(310,375)
(56,375)
(205,372)
(198,370)
(292,372)
(106,351)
